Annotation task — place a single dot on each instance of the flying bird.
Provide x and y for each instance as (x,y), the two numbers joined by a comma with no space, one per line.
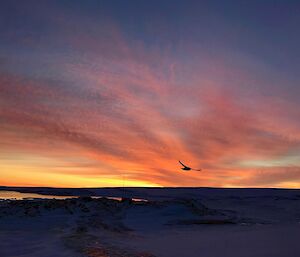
(187,167)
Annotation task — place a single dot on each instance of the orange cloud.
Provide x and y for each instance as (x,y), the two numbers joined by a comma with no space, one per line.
(115,109)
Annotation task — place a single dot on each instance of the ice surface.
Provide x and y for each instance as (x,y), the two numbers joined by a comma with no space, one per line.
(177,222)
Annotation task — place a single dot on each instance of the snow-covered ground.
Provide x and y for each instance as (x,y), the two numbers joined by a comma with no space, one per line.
(190,222)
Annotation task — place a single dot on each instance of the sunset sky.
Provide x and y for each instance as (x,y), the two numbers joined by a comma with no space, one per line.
(113,93)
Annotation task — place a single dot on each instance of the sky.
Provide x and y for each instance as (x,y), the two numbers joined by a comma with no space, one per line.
(114,93)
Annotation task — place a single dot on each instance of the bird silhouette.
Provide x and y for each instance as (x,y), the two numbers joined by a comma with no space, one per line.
(187,167)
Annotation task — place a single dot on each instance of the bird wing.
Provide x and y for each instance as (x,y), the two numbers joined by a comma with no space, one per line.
(183,164)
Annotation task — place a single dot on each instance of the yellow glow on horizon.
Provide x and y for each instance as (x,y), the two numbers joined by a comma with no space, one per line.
(291,185)
(16,175)
(32,170)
